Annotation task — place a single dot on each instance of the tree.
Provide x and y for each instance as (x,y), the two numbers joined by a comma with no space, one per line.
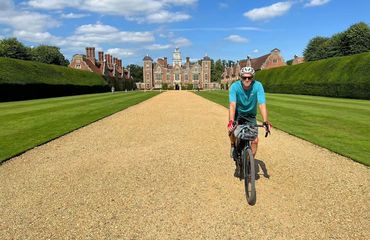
(315,49)
(136,72)
(219,69)
(333,46)
(289,62)
(49,55)
(12,48)
(356,39)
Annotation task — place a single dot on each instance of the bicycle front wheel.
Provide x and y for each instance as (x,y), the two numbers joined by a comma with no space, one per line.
(249,171)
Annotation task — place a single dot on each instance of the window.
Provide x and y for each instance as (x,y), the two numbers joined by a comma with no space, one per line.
(78,66)
(168,77)
(195,77)
(206,77)
(186,77)
(177,77)
(274,60)
(158,76)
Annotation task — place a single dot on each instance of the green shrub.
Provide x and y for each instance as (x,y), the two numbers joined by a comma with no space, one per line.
(14,71)
(21,79)
(164,86)
(346,77)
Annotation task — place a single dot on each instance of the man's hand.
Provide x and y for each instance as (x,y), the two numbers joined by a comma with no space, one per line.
(231,125)
(268,127)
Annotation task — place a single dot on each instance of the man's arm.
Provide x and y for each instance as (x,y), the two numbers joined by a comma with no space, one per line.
(232,111)
(263,111)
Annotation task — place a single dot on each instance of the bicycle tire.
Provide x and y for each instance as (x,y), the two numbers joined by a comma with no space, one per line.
(249,172)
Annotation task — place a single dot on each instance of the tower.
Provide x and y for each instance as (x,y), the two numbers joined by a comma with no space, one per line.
(176,57)
(206,72)
(148,72)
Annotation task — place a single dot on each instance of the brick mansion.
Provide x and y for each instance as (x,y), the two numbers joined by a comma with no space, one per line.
(271,60)
(107,65)
(177,75)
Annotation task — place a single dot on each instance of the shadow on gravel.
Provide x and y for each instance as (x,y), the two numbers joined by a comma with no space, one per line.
(260,165)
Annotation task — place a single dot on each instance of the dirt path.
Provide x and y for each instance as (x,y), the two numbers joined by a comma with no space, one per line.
(161,170)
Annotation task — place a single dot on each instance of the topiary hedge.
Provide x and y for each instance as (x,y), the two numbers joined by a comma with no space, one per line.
(21,80)
(347,77)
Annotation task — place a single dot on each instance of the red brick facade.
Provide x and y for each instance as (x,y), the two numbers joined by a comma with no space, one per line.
(177,75)
(271,60)
(106,65)
(297,60)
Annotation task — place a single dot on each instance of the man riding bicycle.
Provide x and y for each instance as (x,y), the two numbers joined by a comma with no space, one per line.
(244,95)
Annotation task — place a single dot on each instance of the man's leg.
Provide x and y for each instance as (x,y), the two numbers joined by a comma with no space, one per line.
(232,141)
(232,138)
(254,146)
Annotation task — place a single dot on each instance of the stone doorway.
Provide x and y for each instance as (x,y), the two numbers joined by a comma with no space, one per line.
(177,87)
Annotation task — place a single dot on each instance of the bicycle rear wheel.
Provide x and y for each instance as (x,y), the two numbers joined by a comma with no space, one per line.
(249,175)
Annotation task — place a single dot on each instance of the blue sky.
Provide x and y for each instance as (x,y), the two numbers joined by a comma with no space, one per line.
(225,29)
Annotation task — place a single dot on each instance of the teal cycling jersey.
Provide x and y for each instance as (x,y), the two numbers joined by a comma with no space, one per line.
(247,100)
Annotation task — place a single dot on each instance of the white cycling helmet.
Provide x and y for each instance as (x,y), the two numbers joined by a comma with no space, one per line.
(249,70)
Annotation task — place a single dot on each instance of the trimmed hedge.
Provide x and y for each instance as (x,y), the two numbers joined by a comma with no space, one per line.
(20,80)
(343,77)
(15,92)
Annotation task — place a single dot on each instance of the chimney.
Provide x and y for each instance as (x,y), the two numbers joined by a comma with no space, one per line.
(101,57)
(115,61)
(119,63)
(106,57)
(111,59)
(165,61)
(187,60)
(90,54)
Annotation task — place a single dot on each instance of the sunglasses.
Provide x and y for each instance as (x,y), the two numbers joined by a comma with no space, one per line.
(245,78)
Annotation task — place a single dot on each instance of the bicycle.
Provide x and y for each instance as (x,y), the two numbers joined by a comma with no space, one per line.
(244,158)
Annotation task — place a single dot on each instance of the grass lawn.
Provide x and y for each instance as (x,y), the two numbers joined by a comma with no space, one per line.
(341,125)
(26,124)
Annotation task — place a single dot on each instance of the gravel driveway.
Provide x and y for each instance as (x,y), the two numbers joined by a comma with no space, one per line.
(161,170)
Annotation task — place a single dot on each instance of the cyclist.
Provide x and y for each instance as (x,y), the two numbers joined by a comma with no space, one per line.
(244,96)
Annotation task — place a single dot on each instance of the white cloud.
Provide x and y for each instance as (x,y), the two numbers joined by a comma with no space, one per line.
(25,20)
(154,11)
(223,5)
(165,17)
(216,29)
(236,39)
(95,29)
(255,51)
(100,33)
(274,10)
(73,15)
(315,3)
(158,47)
(120,52)
(174,42)
(181,42)
(6,5)
(54,4)
(180,2)
(38,37)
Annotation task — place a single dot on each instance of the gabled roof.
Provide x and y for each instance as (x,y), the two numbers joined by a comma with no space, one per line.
(147,58)
(258,62)
(92,66)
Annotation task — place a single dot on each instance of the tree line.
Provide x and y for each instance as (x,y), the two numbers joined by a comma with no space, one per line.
(356,39)
(12,48)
